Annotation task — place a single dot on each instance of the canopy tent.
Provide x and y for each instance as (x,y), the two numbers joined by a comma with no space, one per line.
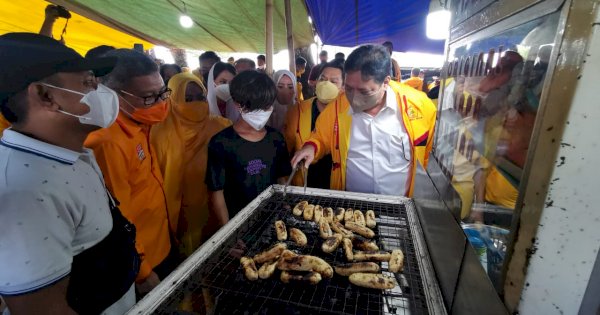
(82,33)
(224,26)
(350,23)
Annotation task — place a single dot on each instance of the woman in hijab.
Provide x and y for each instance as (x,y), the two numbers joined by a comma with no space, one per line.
(181,143)
(219,98)
(286,96)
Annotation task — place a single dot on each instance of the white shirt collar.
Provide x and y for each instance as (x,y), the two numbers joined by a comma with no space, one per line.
(21,142)
(390,101)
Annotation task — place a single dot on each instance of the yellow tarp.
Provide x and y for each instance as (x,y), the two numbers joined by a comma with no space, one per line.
(82,33)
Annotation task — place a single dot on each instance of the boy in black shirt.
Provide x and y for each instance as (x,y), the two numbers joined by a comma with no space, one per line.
(246,158)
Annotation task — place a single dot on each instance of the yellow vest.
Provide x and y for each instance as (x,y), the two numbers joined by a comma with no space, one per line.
(297,130)
(332,132)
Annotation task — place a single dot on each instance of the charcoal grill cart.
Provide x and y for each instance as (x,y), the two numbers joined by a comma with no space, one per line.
(213,272)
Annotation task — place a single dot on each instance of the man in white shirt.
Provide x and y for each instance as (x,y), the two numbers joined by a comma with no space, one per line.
(64,246)
(379,155)
(376,132)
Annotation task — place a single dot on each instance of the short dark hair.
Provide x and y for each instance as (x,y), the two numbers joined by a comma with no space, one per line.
(340,56)
(223,66)
(323,53)
(388,44)
(335,63)
(130,64)
(210,55)
(373,61)
(253,90)
(415,72)
(246,60)
(99,51)
(300,61)
(166,66)
(262,57)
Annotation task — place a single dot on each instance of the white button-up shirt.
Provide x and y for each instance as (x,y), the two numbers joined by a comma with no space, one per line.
(379,154)
(53,206)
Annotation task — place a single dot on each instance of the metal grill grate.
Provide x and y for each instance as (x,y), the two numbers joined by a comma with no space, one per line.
(222,276)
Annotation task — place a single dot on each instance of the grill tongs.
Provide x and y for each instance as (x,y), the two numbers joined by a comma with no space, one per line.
(304,170)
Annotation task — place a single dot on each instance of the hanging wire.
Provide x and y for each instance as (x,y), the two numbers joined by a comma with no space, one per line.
(184,7)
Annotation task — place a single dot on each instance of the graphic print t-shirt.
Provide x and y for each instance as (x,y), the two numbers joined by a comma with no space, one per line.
(244,169)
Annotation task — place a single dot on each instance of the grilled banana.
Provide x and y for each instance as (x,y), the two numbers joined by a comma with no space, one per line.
(397,261)
(311,277)
(299,208)
(362,230)
(309,212)
(291,261)
(249,268)
(267,270)
(318,214)
(324,229)
(332,243)
(372,280)
(370,218)
(339,214)
(364,267)
(281,230)
(349,215)
(376,255)
(359,218)
(363,243)
(339,228)
(270,254)
(328,214)
(347,245)
(298,237)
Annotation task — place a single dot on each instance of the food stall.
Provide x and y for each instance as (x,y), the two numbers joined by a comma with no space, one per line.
(471,231)
(215,270)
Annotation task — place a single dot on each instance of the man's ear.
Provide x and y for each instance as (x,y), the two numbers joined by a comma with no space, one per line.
(41,96)
(387,80)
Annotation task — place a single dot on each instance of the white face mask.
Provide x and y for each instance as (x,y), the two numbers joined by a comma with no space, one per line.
(258,118)
(222,92)
(103,103)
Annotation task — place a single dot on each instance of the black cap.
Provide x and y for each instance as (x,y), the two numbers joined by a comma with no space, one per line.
(27,57)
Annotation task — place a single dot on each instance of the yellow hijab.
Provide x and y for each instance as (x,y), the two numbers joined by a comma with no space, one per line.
(181,142)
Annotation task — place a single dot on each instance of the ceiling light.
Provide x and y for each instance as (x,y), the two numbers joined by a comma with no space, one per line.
(186,21)
(438,24)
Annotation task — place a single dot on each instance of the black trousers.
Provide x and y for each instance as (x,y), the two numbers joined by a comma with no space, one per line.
(168,264)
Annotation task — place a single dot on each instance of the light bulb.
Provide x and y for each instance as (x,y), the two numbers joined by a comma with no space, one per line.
(438,24)
(186,21)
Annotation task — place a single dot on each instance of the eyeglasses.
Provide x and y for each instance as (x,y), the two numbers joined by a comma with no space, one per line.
(152,99)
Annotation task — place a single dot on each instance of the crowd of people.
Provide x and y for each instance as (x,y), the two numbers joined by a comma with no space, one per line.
(116,169)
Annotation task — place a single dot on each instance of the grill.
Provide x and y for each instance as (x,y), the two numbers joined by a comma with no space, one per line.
(213,274)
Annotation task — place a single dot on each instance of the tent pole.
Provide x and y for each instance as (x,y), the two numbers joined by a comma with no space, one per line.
(290,35)
(269,34)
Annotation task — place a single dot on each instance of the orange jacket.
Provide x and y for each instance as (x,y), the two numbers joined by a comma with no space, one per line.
(332,131)
(414,82)
(132,174)
(3,124)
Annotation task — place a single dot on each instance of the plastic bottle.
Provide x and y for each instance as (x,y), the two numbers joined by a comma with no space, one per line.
(479,246)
